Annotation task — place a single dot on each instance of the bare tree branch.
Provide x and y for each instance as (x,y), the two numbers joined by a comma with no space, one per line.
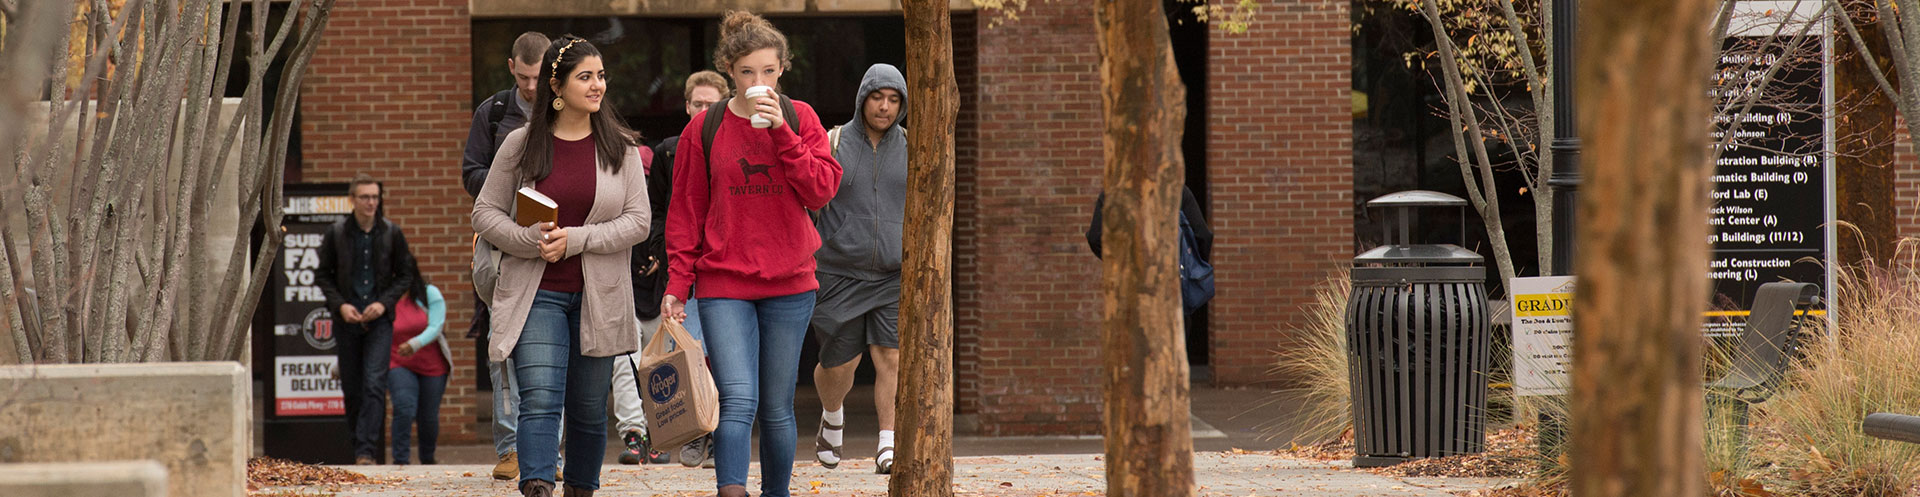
(1464,117)
(1758,87)
(23,80)
(270,180)
(10,305)
(1895,35)
(1872,62)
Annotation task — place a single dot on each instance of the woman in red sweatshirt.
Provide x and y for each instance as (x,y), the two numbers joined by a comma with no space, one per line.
(737,229)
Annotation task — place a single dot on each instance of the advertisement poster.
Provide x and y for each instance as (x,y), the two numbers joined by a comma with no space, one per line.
(303,367)
(1542,335)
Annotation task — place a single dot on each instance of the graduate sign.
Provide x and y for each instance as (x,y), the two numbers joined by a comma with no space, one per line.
(303,340)
(1542,334)
(1772,217)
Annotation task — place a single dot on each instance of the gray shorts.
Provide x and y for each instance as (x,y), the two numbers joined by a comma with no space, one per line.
(852,314)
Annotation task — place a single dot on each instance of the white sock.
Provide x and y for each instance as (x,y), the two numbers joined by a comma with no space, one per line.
(886,438)
(838,418)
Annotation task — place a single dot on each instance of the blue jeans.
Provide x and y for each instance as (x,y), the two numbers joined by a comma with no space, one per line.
(506,406)
(363,351)
(416,397)
(755,348)
(553,375)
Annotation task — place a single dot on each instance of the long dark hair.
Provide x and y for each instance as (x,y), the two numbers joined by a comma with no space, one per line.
(612,139)
(418,289)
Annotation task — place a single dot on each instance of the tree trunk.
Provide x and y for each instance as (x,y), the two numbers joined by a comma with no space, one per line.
(923,464)
(1148,433)
(1636,406)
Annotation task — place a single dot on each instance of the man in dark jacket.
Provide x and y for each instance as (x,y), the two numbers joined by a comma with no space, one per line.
(492,120)
(363,270)
(858,310)
(649,266)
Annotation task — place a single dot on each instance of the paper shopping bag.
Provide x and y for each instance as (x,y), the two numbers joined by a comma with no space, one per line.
(676,388)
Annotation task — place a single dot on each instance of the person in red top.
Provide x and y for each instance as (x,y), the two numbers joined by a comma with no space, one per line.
(417,374)
(737,228)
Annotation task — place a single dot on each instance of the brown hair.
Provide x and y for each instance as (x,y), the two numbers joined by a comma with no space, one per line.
(708,79)
(529,47)
(365,179)
(742,33)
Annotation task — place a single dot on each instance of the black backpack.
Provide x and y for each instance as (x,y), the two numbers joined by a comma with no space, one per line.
(497,111)
(1196,274)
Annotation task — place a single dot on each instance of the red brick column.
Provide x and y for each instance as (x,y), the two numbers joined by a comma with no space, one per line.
(1280,168)
(387,94)
(966,201)
(1906,179)
(1026,288)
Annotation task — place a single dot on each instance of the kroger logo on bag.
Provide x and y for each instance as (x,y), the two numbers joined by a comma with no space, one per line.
(663,383)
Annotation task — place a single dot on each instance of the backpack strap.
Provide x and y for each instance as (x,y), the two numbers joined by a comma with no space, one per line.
(793,118)
(833,140)
(498,111)
(710,127)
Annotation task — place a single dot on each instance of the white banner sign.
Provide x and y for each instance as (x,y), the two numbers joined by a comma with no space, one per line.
(1542,334)
(304,386)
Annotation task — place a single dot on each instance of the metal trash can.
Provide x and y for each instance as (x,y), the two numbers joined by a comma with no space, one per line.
(1417,342)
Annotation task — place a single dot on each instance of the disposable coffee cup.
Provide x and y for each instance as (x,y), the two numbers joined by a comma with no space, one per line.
(757,92)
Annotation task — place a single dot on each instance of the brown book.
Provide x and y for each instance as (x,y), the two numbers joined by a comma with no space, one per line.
(530,206)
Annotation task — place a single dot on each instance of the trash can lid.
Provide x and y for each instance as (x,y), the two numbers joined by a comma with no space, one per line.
(1418,254)
(1417,198)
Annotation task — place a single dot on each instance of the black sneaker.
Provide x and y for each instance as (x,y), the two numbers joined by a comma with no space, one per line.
(636,444)
(653,456)
(640,450)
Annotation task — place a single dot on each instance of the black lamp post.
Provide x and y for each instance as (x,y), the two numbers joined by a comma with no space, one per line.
(1566,182)
(1566,143)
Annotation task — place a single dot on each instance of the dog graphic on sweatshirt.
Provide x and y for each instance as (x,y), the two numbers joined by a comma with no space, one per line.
(748,170)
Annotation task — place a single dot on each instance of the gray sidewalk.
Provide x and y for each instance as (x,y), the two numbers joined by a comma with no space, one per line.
(1223,419)
(1235,432)
(1220,474)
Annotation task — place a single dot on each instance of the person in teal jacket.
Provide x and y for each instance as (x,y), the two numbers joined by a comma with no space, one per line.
(417,370)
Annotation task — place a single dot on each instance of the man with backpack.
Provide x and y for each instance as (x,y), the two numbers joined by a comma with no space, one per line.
(1196,249)
(649,266)
(858,263)
(496,116)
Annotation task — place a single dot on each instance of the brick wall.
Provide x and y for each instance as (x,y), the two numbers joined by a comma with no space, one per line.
(966,201)
(1906,179)
(1280,174)
(1026,289)
(387,94)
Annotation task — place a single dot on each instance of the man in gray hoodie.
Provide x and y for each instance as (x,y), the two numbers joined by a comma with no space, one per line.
(859,262)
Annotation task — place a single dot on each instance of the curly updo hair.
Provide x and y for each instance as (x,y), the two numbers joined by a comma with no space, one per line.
(742,33)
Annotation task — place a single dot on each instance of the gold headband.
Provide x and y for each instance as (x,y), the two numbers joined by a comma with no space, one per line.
(554,77)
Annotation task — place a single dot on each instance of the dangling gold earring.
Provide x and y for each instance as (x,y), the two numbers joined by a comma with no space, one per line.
(558,104)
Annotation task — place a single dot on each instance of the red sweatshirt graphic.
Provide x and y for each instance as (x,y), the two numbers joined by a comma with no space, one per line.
(745,234)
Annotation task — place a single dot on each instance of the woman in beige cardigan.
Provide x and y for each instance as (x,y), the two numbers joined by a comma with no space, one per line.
(563,305)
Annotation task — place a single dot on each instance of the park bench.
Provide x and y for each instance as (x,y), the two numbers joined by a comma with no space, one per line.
(1766,348)
(1889,426)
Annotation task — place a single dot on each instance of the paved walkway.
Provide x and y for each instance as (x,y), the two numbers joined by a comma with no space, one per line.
(1219,474)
